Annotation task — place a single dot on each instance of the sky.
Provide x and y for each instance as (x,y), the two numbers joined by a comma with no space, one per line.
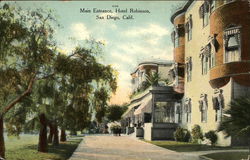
(127,41)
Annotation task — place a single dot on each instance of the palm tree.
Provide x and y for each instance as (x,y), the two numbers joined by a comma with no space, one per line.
(236,120)
(153,78)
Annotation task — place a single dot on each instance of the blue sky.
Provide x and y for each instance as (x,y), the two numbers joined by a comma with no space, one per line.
(127,42)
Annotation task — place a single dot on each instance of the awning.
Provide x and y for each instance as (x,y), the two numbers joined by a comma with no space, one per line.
(130,109)
(144,107)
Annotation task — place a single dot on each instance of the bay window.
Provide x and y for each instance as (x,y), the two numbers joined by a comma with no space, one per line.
(232,44)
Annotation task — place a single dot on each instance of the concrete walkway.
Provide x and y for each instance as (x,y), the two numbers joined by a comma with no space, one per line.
(106,147)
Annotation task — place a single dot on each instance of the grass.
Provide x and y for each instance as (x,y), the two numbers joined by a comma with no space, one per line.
(25,148)
(189,147)
(228,155)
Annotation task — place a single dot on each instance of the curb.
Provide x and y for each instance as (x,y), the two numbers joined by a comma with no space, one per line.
(82,141)
(204,158)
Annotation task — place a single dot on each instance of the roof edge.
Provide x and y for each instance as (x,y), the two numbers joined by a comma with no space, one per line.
(167,62)
(181,10)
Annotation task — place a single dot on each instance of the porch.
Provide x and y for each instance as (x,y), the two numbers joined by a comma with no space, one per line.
(153,117)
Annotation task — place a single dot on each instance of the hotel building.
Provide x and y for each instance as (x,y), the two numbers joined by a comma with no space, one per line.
(211,65)
(212,60)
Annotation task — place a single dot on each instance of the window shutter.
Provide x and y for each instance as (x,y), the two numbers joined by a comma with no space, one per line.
(185,108)
(215,44)
(206,7)
(221,100)
(173,36)
(210,1)
(190,63)
(190,21)
(186,27)
(201,11)
(214,103)
(180,29)
(189,107)
(207,50)
(178,110)
(200,105)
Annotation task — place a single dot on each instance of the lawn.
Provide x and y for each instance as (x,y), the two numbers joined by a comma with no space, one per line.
(228,155)
(25,148)
(188,147)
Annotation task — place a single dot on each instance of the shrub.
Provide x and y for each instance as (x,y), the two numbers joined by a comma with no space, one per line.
(145,85)
(182,135)
(212,136)
(196,134)
(115,128)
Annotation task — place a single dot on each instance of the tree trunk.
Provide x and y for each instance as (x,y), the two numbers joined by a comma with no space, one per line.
(51,133)
(56,136)
(2,145)
(63,135)
(43,143)
(20,97)
(249,145)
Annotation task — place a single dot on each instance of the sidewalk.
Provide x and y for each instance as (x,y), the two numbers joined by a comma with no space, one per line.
(199,153)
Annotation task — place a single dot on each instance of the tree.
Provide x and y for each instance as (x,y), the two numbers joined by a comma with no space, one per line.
(32,69)
(26,50)
(114,112)
(236,120)
(153,78)
(100,99)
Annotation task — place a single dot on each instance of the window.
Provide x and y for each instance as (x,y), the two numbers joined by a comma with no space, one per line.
(203,105)
(204,12)
(188,109)
(176,34)
(189,68)
(218,104)
(164,112)
(213,47)
(212,7)
(189,32)
(188,27)
(176,40)
(204,65)
(178,113)
(207,56)
(212,60)
(173,36)
(232,45)
(205,19)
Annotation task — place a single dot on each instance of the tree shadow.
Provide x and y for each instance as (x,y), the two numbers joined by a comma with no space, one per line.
(64,150)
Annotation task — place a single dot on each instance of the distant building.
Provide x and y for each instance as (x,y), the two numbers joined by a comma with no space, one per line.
(151,112)
(149,67)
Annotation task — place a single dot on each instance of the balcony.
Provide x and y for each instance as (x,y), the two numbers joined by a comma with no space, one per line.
(220,74)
